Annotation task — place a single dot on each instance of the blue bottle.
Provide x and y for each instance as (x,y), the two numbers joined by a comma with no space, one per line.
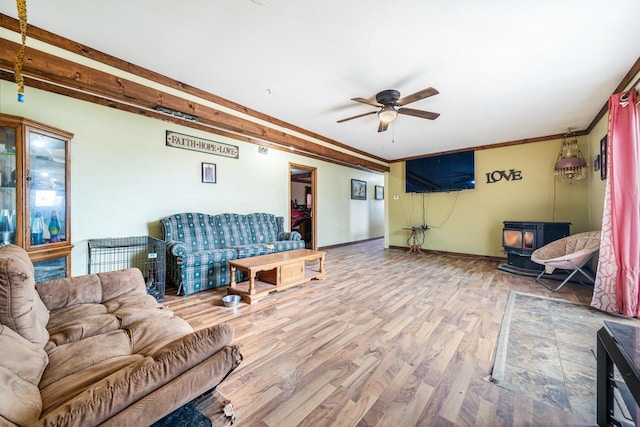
(37,229)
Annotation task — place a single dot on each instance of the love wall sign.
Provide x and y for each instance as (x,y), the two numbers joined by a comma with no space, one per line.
(511,175)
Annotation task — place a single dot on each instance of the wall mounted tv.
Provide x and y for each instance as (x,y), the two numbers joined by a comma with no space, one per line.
(445,172)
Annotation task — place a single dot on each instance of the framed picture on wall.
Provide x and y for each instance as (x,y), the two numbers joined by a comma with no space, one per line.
(379,192)
(208,173)
(358,189)
(603,158)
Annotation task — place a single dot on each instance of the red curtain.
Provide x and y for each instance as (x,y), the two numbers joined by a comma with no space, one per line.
(616,288)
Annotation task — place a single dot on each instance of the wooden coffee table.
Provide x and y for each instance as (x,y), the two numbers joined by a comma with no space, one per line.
(272,272)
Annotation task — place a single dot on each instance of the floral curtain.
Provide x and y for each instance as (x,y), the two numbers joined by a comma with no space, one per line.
(616,288)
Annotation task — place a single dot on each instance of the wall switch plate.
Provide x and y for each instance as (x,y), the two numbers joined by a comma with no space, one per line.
(396,197)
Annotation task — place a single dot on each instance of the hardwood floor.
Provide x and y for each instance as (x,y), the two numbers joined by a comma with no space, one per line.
(387,339)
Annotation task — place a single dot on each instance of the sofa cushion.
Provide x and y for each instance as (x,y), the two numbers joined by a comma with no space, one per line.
(21,308)
(63,316)
(25,359)
(137,310)
(20,401)
(246,251)
(127,306)
(81,321)
(67,359)
(122,282)
(69,291)
(81,328)
(196,230)
(232,230)
(263,226)
(209,258)
(21,366)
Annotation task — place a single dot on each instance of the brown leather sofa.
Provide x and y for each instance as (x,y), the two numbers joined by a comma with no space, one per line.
(97,349)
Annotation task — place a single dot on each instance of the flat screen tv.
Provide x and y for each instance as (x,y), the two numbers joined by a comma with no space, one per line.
(445,172)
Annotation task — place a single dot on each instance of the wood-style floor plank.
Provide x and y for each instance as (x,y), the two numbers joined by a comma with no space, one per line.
(387,339)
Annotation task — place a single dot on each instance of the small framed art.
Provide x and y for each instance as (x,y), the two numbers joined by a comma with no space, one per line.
(379,192)
(603,158)
(358,189)
(208,173)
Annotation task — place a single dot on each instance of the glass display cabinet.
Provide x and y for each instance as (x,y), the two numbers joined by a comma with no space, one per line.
(34,193)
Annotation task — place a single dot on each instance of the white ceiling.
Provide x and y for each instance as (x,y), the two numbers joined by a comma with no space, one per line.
(505,69)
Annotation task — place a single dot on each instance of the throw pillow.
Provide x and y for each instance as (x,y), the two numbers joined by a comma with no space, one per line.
(21,366)
(21,308)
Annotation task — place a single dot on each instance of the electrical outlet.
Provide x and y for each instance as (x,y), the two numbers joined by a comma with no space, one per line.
(262,150)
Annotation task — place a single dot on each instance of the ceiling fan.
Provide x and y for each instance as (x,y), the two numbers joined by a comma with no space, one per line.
(389,100)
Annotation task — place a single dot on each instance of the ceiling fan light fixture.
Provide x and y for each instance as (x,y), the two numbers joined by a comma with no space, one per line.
(387,114)
(388,105)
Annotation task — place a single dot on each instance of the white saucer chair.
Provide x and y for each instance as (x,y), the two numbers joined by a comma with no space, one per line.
(569,253)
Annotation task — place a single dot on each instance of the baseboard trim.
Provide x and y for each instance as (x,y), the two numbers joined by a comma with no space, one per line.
(426,251)
(454,254)
(339,245)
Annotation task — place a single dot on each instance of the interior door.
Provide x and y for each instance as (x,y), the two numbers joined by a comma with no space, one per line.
(303,203)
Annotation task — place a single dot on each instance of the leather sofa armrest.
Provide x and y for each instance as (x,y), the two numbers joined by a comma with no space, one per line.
(176,248)
(195,347)
(293,235)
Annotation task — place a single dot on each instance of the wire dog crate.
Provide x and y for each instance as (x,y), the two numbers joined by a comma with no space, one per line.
(143,252)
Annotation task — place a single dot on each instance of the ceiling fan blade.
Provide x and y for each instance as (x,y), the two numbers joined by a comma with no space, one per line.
(418,113)
(424,93)
(356,117)
(383,126)
(369,101)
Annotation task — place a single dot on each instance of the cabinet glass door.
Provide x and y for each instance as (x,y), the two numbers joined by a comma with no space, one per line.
(46,189)
(49,269)
(7,185)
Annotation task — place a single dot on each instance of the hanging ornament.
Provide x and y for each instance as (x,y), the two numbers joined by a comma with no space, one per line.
(22,18)
(571,165)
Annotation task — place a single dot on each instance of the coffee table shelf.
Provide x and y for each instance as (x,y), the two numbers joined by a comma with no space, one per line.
(273,272)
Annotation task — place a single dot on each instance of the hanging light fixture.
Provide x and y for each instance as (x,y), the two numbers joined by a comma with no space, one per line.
(571,165)
(387,114)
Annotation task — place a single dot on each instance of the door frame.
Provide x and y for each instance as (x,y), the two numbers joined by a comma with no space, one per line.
(314,200)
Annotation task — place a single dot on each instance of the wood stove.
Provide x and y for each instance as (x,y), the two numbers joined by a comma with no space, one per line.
(521,238)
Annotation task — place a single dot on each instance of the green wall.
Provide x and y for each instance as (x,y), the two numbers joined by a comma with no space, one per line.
(470,221)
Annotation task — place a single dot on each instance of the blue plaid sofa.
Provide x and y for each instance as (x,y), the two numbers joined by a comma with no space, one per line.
(200,246)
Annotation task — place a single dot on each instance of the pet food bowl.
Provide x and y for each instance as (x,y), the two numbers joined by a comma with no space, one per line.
(231,300)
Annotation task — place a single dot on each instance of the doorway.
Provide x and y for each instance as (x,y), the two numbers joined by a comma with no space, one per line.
(303,203)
